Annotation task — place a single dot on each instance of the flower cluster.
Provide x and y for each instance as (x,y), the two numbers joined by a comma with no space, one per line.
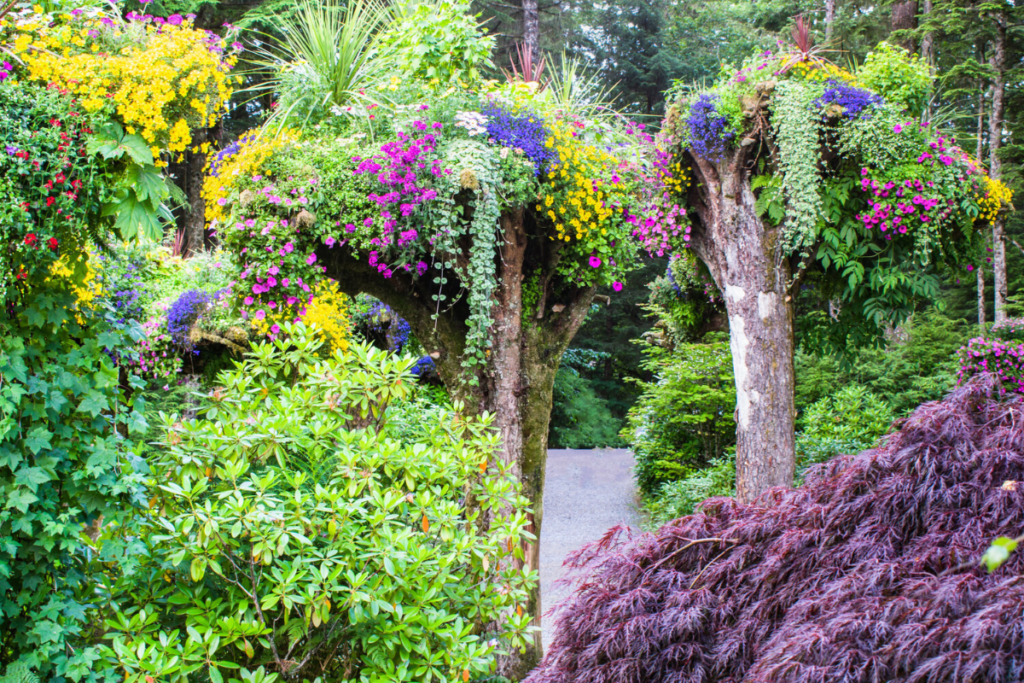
(397,168)
(897,207)
(155,77)
(996,195)
(184,313)
(473,122)
(519,129)
(158,355)
(379,321)
(242,159)
(709,131)
(328,314)
(1011,328)
(851,102)
(1003,360)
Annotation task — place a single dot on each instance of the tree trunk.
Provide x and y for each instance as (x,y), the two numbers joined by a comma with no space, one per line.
(981,297)
(744,257)
(517,383)
(904,18)
(928,41)
(195,217)
(531,28)
(995,142)
(830,18)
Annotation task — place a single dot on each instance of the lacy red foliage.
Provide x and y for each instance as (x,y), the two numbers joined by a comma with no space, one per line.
(845,579)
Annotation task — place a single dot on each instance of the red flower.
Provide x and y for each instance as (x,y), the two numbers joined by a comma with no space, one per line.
(52,243)
(50,201)
(31,239)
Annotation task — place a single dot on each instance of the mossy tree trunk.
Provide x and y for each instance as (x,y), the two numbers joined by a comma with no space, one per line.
(746,260)
(517,382)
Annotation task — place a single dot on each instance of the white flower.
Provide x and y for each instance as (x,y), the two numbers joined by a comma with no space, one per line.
(474,122)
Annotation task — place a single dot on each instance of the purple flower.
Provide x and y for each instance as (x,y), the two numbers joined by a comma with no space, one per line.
(175,20)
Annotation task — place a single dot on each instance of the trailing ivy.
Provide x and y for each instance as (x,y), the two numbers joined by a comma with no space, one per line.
(797,127)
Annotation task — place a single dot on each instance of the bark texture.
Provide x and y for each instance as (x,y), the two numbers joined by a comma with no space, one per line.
(195,210)
(904,18)
(531,28)
(517,383)
(830,18)
(997,61)
(745,258)
(981,297)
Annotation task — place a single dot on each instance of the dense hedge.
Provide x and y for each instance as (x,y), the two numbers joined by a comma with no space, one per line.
(855,576)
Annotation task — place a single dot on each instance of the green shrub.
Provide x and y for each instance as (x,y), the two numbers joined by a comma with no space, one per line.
(849,421)
(677,499)
(579,417)
(291,531)
(684,418)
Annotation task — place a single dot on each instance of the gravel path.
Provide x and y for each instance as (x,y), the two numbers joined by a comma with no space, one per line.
(585,494)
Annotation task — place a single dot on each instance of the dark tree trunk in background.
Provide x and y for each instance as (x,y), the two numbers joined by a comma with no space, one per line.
(904,18)
(195,209)
(997,61)
(928,40)
(517,383)
(745,258)
(531,28)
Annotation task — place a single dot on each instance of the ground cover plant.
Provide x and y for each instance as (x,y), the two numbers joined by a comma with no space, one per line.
(869,571)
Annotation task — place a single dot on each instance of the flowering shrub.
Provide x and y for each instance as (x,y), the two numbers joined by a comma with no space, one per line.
(1001,359)
(394,201)
(328,315)
(157,77)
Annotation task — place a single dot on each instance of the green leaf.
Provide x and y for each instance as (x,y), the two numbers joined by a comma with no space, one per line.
(134,216)
(998,553)
(148,182)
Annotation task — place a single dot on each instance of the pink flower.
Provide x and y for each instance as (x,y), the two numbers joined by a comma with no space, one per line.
(595,262)
(248,301)
(330,242)
(286,282)
(261,314)
(311,259)
(617,286)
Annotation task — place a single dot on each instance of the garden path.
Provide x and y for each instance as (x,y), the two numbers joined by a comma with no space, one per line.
(586,492)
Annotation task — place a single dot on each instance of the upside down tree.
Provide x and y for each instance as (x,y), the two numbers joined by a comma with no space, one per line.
(806,172)
(486,216)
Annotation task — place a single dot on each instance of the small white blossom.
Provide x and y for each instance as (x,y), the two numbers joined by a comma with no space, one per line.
(474,122)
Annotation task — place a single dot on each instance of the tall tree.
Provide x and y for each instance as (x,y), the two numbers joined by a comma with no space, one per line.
(764,216)
(997,61)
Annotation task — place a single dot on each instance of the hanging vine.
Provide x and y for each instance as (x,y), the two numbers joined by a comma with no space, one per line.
(797,126)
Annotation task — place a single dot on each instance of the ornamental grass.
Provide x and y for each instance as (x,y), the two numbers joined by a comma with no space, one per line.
(866,573)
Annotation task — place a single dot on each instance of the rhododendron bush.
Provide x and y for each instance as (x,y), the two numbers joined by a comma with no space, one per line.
(868,572)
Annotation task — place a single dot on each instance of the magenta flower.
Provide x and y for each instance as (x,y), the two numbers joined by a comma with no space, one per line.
(311,259)
(248,301)
(617,286)
(595,262)
(330,242)
(261,314)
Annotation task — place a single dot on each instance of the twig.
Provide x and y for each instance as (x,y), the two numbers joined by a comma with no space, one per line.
(685,547)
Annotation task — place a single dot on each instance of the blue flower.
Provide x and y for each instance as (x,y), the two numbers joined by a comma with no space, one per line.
(184,313)
(520,130)
(855,102)
(708,129)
